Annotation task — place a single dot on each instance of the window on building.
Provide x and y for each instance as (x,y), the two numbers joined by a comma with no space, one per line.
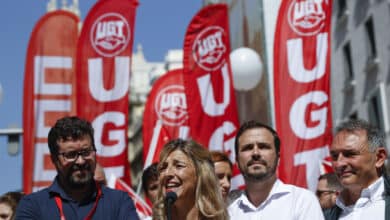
(374,112)
(342,5)
(370,41)
(377,111)
(347,61)
(354,115)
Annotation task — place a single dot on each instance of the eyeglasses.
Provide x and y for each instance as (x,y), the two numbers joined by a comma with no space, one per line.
(319,193)
(72,156)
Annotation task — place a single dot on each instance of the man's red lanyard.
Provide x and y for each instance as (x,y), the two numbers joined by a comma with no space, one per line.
(90,214)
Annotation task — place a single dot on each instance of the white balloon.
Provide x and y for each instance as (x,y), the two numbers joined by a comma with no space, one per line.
(247,68)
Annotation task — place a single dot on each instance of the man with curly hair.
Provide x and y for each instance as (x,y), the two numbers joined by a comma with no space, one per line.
(74,194)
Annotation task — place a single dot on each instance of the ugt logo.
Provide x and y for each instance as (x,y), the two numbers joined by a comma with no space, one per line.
(307,17)
(171,105)
(209,48)
(110,34)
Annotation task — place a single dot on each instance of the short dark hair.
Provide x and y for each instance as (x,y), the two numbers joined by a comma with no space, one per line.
(254,124)
(149,174)
(333,182)
(375,137)
(69,127)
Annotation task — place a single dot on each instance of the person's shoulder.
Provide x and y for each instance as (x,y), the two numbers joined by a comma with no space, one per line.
(114,193)
(33,204)
(304,202)
(42,194)
(300,193)
(233,196)
(235,201)
(298,189)
(122,202)
(111,191)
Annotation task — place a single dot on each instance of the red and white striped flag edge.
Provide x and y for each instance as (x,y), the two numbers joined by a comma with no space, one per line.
(325,167)
(49,92)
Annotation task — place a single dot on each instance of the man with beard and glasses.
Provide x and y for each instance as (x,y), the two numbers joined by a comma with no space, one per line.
(257,148)
(74,194)
(328,188)
(358,154)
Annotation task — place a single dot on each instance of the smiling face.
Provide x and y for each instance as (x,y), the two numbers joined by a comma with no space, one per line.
(257,156)
(355,165)
(223,172)
(78,173)
(177,174)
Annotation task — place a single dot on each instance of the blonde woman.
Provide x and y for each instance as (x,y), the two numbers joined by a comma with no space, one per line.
(186,168)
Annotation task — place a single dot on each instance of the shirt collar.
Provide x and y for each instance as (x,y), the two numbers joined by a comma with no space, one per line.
(373,192)
(56,189)
(278,189)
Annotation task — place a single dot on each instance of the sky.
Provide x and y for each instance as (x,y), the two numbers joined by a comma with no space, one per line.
(160,26)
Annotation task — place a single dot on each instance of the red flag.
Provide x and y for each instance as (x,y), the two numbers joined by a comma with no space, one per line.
(143,209)
(302,98)
(326,166)
(165,115)
(103,67)
(49,92)
(208,81)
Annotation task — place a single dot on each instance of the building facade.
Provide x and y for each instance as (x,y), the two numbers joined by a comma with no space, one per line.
(361,62)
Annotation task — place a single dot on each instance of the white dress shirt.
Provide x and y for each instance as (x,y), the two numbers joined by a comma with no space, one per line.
(284,202)
(370,205)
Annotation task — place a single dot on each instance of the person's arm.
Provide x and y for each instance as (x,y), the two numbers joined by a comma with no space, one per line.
(27,209)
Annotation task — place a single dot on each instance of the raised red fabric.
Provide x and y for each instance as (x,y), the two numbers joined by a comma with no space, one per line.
(213,117)
(301,87)
(103,69)
(49,92)
(165,116)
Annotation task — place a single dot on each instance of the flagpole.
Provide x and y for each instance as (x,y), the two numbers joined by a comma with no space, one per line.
(153,144)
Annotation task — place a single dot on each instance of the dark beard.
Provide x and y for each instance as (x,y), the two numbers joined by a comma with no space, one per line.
(257,177)
(80,182)
(260,176)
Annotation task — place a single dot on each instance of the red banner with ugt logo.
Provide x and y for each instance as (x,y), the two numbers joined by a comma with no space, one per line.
(165,116)
(302,98)
(49,92)
(213,117)
(103,68)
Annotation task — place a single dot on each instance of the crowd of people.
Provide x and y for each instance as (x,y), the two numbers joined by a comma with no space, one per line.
(191,182)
